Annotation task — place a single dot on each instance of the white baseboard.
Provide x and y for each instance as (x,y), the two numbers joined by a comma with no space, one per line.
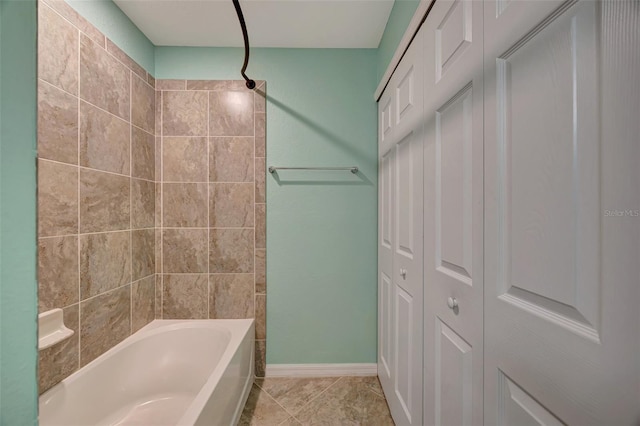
(320,370)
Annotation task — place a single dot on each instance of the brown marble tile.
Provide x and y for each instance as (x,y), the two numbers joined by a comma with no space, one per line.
(261,316)
(184,113)
(143,154)
(184,296)
(260,357)
(231,296)
(158,159)
(57,124)
(349,401)
(291,421)
(158,305)
(171,85)
(104,140)
(158,250)
(158,215)
(231,159)
(231,250)
(261,271)
(142,203)
(231,113)
(104,201)
(261,410)
(57,50)
(260,99)
(373,384)
(158,117)
(104,81)
(261,132)
(294,393)
(57,199)
(217,85)
(184,159)
(106,321)
(143,253)
(261,226)
(77,20)
(151,80)
(57,272)
(143,104)
(260,180)
(184,205)
(126,59)
(105,262)
(60,360)
(231,205)
(184,251)
(143,294)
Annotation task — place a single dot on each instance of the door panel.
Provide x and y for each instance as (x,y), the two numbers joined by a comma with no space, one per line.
(453,216)
(401,239)
(561,300)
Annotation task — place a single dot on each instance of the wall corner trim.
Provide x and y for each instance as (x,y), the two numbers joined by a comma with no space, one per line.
(320,370)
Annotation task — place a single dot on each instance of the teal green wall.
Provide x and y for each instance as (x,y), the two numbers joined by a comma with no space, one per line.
(108,18)
(18,289)
(397,24)
(321,226)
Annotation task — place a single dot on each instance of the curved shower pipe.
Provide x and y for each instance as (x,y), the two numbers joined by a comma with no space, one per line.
(250,83)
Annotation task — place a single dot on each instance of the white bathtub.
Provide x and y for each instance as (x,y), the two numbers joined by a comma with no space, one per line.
(186,372)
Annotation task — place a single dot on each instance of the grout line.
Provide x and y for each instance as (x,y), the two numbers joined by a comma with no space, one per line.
(78,231)
(161,213)
(130,200)
(208,203)
(319,394)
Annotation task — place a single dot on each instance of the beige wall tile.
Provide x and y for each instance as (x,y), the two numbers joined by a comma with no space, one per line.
(104,140)
(158,305)
(143,245)
(231,159)
(57,124)
(158,115)
(104,81)
(231,250)
(57,272)
(231,113)
(184,296)
(106,321)
(125,59)
(184,251)
(260,358)
(143,154)
(261,316)
(57,199)
(231,205)
(159,187)
(142,203)
(184,159)
(105,262)
(104,201)
(260,99)
(184,205)
(60,360)
(171,84)
(151,80)
(184,113)
(143,295)
(261,226)
(158,251)
(217,85)
(76,19)
(57,50)
(261,271)
(261,131)
(260,180)
(143,104)
(231,296)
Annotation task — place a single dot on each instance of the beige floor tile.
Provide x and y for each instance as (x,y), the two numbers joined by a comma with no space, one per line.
(262,410)
(295,393)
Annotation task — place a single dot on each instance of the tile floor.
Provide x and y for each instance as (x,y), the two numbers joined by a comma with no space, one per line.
(316,401)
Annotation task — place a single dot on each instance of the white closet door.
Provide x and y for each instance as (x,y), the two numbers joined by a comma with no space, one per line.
(401,239)
(562,227)
(453,214)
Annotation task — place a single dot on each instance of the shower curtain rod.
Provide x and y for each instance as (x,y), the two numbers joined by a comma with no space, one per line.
(250,83)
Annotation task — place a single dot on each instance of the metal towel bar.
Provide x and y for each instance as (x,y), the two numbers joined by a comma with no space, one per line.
(352,169)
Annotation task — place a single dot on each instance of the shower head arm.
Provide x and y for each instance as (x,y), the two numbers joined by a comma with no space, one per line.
(250,83)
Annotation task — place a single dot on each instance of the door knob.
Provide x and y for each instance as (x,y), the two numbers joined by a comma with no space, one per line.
(452,303)
(403,273)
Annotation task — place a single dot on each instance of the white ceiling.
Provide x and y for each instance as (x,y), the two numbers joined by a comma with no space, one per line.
(280,23)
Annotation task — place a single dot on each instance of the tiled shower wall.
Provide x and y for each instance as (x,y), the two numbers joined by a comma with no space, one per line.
(109,254)
(96,185)
(211,202)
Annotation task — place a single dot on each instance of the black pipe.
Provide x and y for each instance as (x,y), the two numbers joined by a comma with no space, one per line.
(250,83)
